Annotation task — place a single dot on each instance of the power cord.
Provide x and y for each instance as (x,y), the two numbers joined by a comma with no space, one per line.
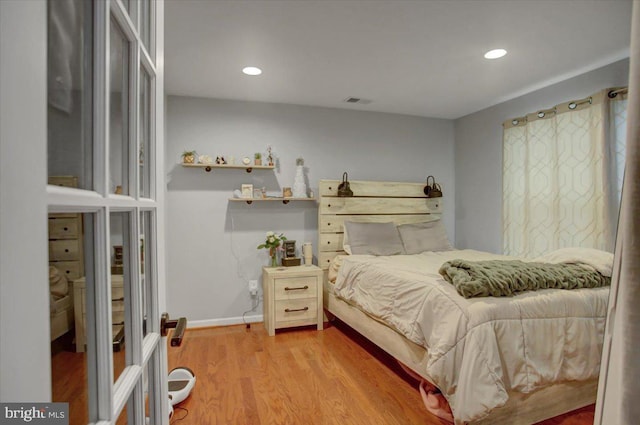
(257,302)
(256,299)
(235,256)
(179,419)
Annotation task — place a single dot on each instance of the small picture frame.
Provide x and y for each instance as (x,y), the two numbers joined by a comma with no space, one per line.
(289,248)
(247,191)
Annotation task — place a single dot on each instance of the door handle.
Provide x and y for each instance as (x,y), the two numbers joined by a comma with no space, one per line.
(179,325)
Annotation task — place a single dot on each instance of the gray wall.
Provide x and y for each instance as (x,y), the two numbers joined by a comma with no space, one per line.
(478,153)
(211,242)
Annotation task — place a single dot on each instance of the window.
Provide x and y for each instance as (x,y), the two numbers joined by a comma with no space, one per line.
(561,177)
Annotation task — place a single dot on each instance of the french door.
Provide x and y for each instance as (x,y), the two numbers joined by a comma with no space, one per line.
(82,97)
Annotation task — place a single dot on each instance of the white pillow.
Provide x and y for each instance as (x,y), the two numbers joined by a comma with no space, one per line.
(602,261)
(421,237)
(371,238)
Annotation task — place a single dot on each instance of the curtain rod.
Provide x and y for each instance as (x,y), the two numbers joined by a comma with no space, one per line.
(614,93)
(611,94)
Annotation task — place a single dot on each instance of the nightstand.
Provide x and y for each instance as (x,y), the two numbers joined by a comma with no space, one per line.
(117,312)
(292,297)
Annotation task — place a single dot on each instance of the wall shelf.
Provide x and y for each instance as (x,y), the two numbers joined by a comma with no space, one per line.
(247,168)
(270,199)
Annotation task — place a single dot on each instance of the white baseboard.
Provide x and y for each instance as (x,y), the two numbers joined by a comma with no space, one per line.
(194,324)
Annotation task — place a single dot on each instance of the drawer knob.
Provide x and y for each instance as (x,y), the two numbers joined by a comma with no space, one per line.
(286,288)
(66,250)
(290,310)
(118,299)
(66,228)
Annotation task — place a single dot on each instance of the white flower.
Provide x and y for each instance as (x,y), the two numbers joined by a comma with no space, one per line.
(271,239)
(270,234)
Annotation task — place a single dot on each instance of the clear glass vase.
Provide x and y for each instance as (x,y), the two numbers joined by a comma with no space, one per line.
(274,257)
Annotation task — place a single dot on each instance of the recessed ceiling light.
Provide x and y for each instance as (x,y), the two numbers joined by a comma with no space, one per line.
(251,70)
(495,54)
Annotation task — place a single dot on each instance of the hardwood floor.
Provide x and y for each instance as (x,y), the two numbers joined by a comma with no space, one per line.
(302,376)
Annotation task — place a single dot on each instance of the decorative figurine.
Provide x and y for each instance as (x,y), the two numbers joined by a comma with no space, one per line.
(299,186)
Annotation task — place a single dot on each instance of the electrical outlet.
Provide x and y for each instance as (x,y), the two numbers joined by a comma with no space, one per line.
(253,287)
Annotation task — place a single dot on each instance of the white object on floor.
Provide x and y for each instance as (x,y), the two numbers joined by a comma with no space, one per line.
(181,382)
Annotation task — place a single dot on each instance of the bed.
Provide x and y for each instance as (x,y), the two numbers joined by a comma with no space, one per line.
(515,401)
(60,304)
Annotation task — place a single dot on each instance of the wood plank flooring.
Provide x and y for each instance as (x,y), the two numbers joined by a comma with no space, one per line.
(302,376)
(298,377)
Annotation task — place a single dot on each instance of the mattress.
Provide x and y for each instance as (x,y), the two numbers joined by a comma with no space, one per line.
(479,349)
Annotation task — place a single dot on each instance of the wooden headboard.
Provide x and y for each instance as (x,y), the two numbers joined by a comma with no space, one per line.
(372,201)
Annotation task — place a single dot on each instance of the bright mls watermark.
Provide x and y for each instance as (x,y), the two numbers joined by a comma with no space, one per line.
(36,413)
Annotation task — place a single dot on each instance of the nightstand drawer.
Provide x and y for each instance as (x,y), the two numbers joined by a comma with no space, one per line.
(117,318)
(117,294)
(295,287)
(63,250)
(305,309)
(117,300)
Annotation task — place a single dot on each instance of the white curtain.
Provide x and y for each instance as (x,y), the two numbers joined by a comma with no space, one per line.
(560,177)
(619,387)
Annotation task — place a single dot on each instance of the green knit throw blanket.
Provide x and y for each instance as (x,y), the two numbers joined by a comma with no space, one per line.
(501,278)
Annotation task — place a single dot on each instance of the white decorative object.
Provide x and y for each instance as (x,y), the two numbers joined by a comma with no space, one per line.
(307,252)
(247,191)
(299,187)
(205,159)
(246,160)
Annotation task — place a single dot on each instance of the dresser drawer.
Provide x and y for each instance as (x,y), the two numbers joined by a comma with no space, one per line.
(298,310)
(295,287)
(71,269)
(117,305)
(63,228)
(63,250)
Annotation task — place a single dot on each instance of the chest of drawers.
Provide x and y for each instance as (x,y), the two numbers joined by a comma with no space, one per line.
(66,236)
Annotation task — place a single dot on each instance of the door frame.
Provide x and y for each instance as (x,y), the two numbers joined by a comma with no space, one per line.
(25,362)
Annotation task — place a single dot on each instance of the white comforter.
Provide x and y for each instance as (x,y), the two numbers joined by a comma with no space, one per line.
(483,347)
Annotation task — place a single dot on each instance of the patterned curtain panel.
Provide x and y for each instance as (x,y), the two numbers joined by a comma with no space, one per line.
(618,118)
(560,178)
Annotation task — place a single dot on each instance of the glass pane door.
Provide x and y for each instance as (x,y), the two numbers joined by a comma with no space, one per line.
(103,122)
(70,92)
(144,132)
(119,111)
(70,239)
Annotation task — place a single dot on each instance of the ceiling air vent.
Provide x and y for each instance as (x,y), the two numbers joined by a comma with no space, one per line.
(357,100)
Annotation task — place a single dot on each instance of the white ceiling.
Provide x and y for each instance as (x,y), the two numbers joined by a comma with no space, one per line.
(410,57)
